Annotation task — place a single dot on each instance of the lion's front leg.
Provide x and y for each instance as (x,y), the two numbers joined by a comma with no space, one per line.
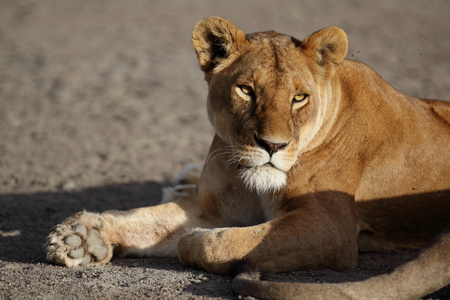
(90,238)
(297,241)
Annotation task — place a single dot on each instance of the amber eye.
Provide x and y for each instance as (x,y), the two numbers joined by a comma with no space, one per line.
(247,90)
(299,98)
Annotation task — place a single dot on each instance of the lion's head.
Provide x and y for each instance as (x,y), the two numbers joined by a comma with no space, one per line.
(269,94)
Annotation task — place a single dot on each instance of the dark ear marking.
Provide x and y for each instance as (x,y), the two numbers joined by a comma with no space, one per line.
(216,42)
(217,46)
(324,51)
(296,42)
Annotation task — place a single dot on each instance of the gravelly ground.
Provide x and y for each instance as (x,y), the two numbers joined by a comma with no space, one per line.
(102,103)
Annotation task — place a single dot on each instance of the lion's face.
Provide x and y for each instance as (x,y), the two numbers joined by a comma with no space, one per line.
(256,105)
(264,96)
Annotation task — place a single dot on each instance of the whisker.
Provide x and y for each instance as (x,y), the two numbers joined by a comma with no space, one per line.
(218,152)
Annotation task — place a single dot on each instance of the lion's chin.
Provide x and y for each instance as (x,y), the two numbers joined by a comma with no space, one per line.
(263,179)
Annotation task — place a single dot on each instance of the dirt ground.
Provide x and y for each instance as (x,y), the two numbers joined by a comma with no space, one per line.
(102,103)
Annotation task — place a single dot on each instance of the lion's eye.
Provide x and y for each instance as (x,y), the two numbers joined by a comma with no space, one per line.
(299,98)
(247,90)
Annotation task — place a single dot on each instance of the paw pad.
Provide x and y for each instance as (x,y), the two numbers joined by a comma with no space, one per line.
(77,245)
(73,240)
(95,245)
(77,253)
(80,229)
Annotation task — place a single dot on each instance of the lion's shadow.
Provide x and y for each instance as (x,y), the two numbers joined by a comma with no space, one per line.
(26,219)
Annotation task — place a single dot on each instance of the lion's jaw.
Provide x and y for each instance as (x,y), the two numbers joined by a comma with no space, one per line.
(261,172)
(263,179)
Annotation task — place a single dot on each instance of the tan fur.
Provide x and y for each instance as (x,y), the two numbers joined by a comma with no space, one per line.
(314,157)
(419,277)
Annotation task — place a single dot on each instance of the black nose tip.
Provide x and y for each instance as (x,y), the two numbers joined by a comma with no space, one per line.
(271,148)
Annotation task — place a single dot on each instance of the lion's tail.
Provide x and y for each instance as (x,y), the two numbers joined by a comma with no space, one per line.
(429,272)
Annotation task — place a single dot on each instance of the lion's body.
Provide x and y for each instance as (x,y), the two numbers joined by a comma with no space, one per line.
(314,158)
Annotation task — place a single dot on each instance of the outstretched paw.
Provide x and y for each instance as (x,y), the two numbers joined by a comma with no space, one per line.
(78,241)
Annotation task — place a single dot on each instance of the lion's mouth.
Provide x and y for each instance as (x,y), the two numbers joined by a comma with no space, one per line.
(260,160)
(266,165)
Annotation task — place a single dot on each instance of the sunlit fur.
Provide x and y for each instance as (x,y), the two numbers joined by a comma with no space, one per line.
(293,186)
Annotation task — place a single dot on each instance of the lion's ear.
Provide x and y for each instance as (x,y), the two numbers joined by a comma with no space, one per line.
(216,42)
(327,45)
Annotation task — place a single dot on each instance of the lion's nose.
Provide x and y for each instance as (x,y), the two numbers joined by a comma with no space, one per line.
(271,148)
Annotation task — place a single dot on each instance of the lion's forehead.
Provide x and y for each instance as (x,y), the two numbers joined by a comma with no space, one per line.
(280,47)
(275,59)
(274,38)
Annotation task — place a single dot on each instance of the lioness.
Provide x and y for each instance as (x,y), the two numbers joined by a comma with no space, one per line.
(314,158)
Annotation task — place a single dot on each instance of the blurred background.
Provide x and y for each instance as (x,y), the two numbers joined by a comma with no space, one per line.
(103,92)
